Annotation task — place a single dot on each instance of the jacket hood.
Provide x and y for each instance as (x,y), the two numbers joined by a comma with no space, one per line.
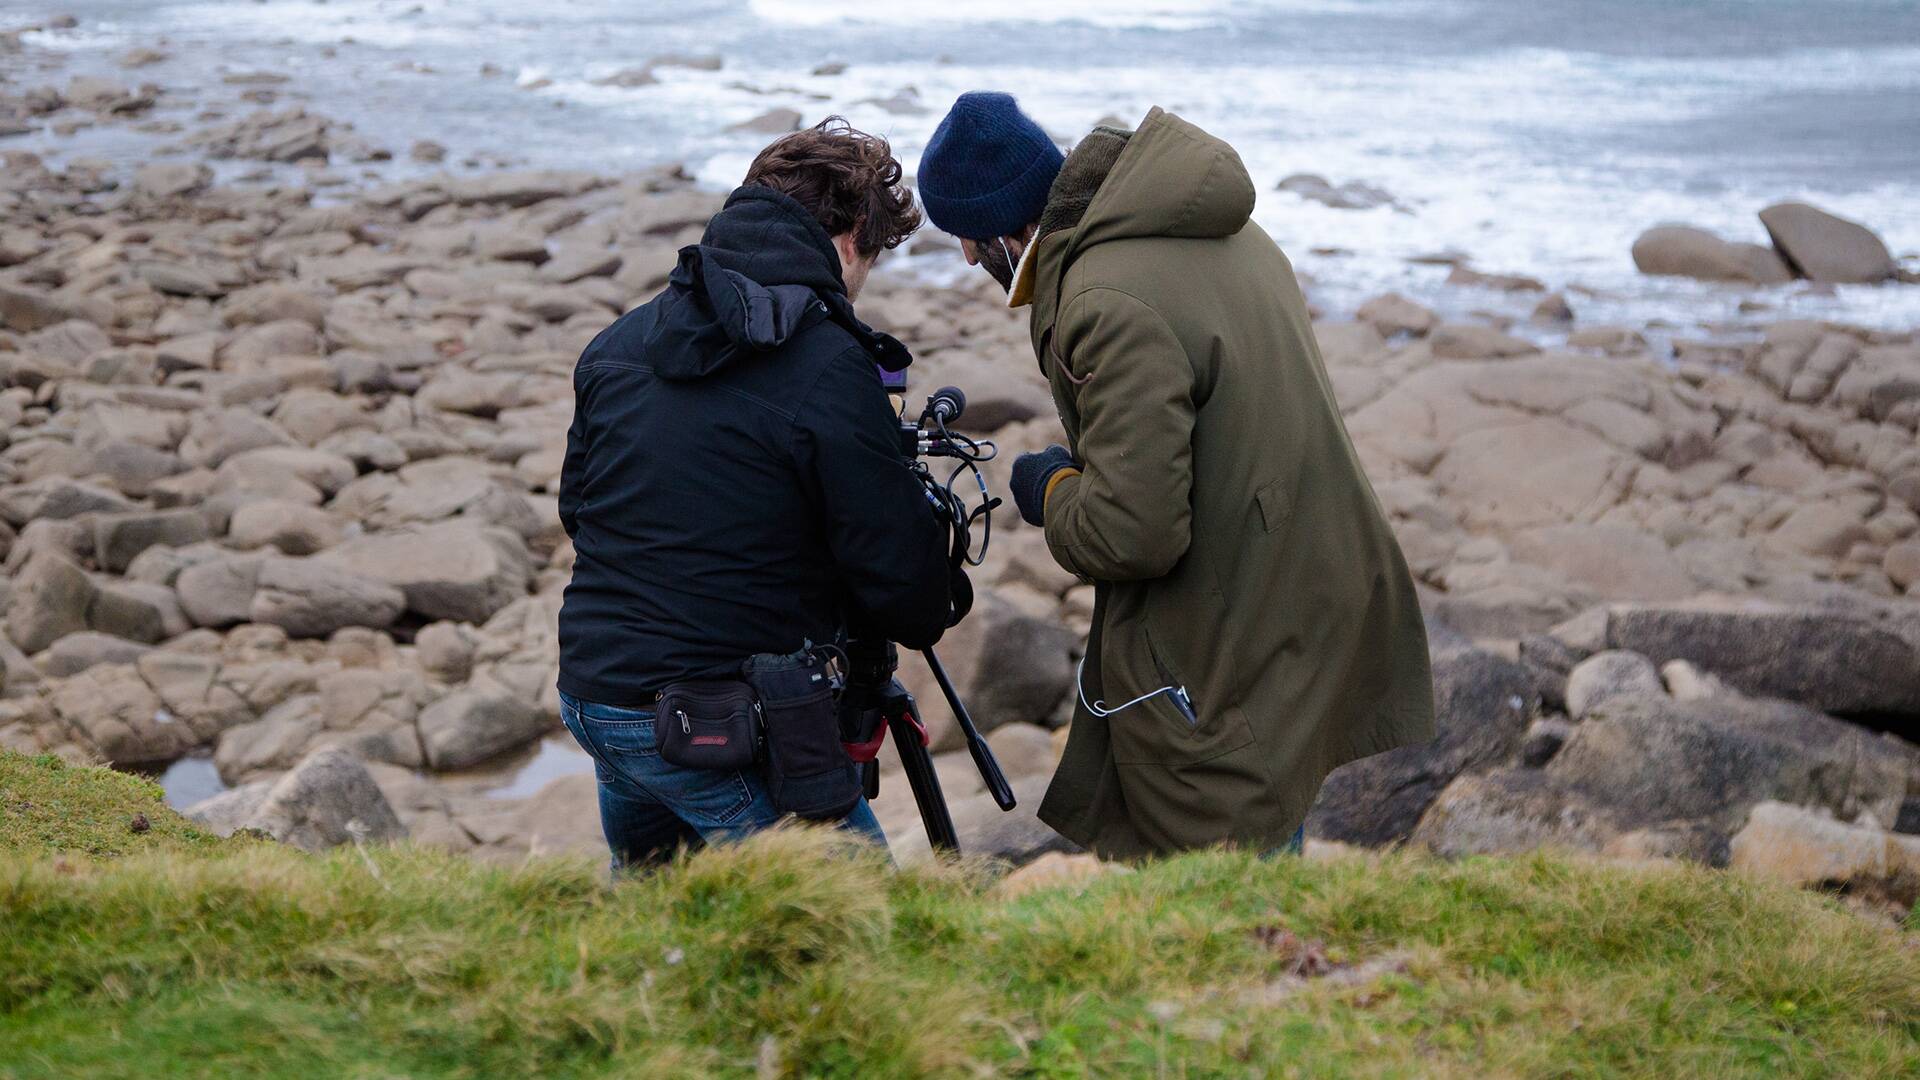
(1172,180)
(764,271)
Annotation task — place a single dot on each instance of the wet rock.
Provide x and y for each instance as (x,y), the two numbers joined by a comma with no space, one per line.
(1826,248)
(1481,706)
(428,151)
(1683,251)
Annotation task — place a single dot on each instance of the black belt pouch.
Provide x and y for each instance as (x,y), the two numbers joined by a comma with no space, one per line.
(708,724)
(807,770)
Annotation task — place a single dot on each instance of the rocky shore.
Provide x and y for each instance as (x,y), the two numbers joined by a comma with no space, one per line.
(278,486)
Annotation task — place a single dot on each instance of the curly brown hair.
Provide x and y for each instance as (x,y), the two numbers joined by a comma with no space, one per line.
(847,179)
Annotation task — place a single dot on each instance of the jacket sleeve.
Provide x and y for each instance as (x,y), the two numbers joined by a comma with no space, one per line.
(888,547)
(1128,515)
(575,462)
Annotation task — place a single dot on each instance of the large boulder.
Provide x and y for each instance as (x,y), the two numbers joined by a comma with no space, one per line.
(51,595)
(327,800)
(450,570)
(118,538)
(1826,248)
(1651,776)
(308,598)
(1659,760)
(1481,706)
(1683,251)
(1798,846)
(473,724)
(219,591)
(1853,661)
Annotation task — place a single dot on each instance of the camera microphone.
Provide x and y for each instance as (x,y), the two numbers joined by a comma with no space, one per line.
(947,403)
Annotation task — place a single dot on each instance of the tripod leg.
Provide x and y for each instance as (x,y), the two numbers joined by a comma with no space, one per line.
(983,758)
(925,782)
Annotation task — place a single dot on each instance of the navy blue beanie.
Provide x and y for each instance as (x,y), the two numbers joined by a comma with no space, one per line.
(987,168)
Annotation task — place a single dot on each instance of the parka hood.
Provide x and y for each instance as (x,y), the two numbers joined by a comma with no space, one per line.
(1172,180)
(764,271)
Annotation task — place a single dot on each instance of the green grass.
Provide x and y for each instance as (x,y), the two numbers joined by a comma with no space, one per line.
(791,956)
(49,807)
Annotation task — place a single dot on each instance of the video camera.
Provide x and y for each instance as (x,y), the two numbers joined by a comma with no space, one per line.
(872,701)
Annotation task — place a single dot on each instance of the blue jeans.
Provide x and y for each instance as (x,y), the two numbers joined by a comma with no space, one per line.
(649,808)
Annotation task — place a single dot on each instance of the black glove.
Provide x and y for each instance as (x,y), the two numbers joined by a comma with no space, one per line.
(1031,474)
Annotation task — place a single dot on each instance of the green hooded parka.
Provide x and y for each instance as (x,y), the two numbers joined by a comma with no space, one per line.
(1222,513)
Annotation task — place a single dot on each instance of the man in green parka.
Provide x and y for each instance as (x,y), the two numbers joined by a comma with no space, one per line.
(1254,625)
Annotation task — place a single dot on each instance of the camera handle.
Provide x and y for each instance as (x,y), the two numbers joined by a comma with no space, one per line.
(983,758)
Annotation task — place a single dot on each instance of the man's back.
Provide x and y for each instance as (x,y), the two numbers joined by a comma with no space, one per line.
(730,452)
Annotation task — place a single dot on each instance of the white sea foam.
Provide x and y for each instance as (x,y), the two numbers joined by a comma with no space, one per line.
(1533,149)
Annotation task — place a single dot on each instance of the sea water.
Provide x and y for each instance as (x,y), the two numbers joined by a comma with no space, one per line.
(1538,137)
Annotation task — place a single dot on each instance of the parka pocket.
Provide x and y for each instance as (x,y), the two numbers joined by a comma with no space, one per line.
(1155,731)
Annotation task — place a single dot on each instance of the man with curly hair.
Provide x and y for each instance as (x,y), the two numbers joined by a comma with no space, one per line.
(734,483)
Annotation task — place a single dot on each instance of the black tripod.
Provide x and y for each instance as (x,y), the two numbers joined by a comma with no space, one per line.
(874,688)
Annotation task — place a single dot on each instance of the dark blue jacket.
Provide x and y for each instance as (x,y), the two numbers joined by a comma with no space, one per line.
(734,482)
